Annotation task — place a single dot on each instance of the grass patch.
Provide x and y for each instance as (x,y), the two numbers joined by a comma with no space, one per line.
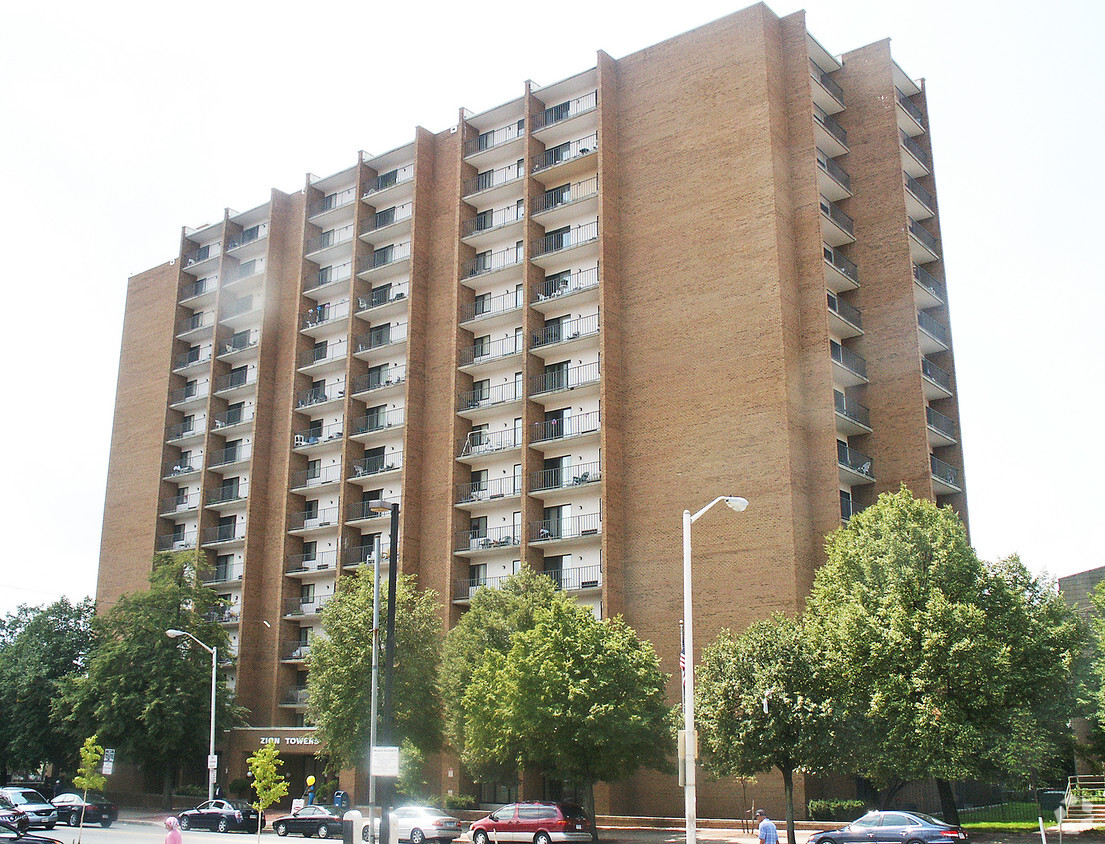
(1004,826)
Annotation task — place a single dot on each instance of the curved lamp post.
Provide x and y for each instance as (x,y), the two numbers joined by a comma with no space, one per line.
(176,634)
(690,796)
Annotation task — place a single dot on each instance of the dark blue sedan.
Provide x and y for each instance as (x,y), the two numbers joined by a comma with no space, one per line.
(893,828)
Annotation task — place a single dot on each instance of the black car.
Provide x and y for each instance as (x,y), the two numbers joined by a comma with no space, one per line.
(893,828)
(9,833)
(308,821)
(11,815)
(221,816)
(96,807)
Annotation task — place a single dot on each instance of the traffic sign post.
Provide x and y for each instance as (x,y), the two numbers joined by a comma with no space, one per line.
(109,761)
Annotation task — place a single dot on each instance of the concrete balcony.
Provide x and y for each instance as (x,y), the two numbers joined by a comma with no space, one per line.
(945,477)
(854,466)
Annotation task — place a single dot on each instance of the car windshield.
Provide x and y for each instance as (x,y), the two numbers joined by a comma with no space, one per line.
(26,795)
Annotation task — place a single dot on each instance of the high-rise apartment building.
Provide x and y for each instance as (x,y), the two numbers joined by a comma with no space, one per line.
(710,267)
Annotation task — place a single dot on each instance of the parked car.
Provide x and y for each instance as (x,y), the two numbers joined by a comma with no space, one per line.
(39,810)
(12,816)
(418,824)
(308,821)
(541,823)
(892,828)
(96,808)
(221,816)
(8,832)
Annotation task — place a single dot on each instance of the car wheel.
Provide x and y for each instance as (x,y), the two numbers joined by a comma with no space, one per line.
(323,831)
(224,825)
(480,837)
(51,825)
(185,824)
(105,823)
(542,838)
(417,836)
(281,829)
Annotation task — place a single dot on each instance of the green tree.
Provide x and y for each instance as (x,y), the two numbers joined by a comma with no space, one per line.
(494,616)
(578,698)
(39,648)
(269,786)
(758,706)
(941,666)
(148,695)
(88,776)
(338,684)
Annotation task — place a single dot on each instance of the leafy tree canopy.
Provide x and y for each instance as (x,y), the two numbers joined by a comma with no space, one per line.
(339,689)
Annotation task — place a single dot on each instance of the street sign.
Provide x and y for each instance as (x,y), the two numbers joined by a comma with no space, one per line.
(385,761)
(213,762)
(109,761)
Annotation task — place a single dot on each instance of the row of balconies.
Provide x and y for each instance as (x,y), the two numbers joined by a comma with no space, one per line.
(541,532)
(221,422)
(554,115)
(544,480)
(574,579)
(485,395)
(216,535)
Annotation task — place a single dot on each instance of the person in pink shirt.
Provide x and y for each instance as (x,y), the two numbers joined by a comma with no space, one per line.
(173,835)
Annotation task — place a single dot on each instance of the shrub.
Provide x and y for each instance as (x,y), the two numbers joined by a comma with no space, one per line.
(835,810)
(238,786)
(457,802)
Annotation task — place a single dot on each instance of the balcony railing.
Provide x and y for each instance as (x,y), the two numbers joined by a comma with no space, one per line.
(228,493)
(322,314)
(238,378)
(846,312)
(298,653)
(378,379)
(317,434)
(570,579)
(178,467)
(334,237)
(334,350)
(571,426)
(492,305)
(931,326)
(384,256)
(944,471)
(247,269)
(319,395)
(360,555)
(494,138)
(315,476)
(489,490)
(564,152)
(492,179)
(560,332)
(848,359)
(830,125)
(193,357)
(565,379)
(376,464)
(373,422)
(853,459)
(909,106)
(924,278)
(329,275)
(240,342)
(224,574)
(176,541)
(565,110)
(306,606)
(179,430)
(835,259)
(224,533)
(317,518)
(392,178)
(364,510)
(388,217)
(576,475)
(379,336)
(566,239)
(827,82)
(481,539)
(491,350)
(230,454)
(490,220)
(939,422)
(192,289)
(191,390)
(830,210)
(914,149)
(332,202)
(180,501)
(489,262)
(566,527)
(488,396)
(295,697)
(488,442)
(935,374)
(201,254)
(851,409)
(835,171)
(247,236)
(382,295)
(566,195)
(565,283)
(195,322)
(922,195)
(922,234)
(232,416)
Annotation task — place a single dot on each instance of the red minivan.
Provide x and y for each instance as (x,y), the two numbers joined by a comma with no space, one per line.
(540,823)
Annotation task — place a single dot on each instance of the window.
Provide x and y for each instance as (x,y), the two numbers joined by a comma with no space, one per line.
(558,239)
(376,418)
(477,575)
(379,335)
(377,376)
(307,593)
(310,511)
(483,304)
(478,528)
(478,488)
(380,295)
(482,347)
(556,196)
(552,475)
(481,391)
(226,528)
(310,551)
(314,470)
(237,376)
(383,255)
(846,507)
(556,376)
(232,451)
(318,352)
(245,270)
(193,354)
(386,180)
(188,424)
(238,341)
(223,566)
(485,220)
(234,413)
(385,217)
(480,436)
(314,431)
(554,568)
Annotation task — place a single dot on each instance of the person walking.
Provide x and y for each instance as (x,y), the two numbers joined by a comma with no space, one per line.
(768,833)
(173,835)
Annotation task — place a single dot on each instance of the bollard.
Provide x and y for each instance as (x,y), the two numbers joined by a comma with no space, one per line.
(352,822)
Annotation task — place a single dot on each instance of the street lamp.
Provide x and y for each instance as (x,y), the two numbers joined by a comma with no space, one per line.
(176,634)
(737,505)
(379,506)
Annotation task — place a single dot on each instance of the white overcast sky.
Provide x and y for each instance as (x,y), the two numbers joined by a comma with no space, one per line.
(120,122)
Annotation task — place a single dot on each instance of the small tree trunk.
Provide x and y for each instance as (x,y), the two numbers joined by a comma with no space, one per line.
(947,802)
(788,783)
(890,793)
(589,805)
(167,789)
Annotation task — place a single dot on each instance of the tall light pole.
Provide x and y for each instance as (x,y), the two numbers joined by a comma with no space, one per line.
(391,507)
(690,796)
(176,634)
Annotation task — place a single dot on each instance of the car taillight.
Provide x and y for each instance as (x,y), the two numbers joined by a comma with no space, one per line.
(953,833)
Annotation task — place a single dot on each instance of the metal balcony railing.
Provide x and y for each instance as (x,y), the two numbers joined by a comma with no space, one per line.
(569,579)
(192,289)
(834,170)
(567,238)
(179,430)
(935,374)
(487,395)
(240,342)
(232,416)
(566,195)
(483,539)
(306,606)
(827,82)
(562,477)
(316,518)
(928,281)
(295,697)
(830,210)
(192,357)
(191,390)
(939,422)
(388,217)
(914,149)
(377,379)
(334,350)
(492,179)
(846,312)
(224,615)
(909,106)
(314,476)
(924,236)
(224,574)
(489,262)
(247,236)
(381,335)
(490,220)
(246,269)
(565,283)
(487,442)
(382,257)
(363,510)
(230,454)
(322,314)
(851,409)
(178,467)
(567,378)
(329,275)
(488,490)
(490,306)
(360,555)
(494,138)
(180,501)
(564,152)
(944,471)
(930,326)
(835,259)
(922,195)
(201,254)
(229,492)
(317,434)
(298,653)
(319,395)
(332,202)
(382,295)
(491,350)
(565,110)
(561,332)
(390,179)
(176,541)
(379,421)
(853,459)
(237,378)
(241,306)
(334,237)
(376,464)
(224,533)
(195,322)
(565,527)
(571,426)
(848,359)
(830,125)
